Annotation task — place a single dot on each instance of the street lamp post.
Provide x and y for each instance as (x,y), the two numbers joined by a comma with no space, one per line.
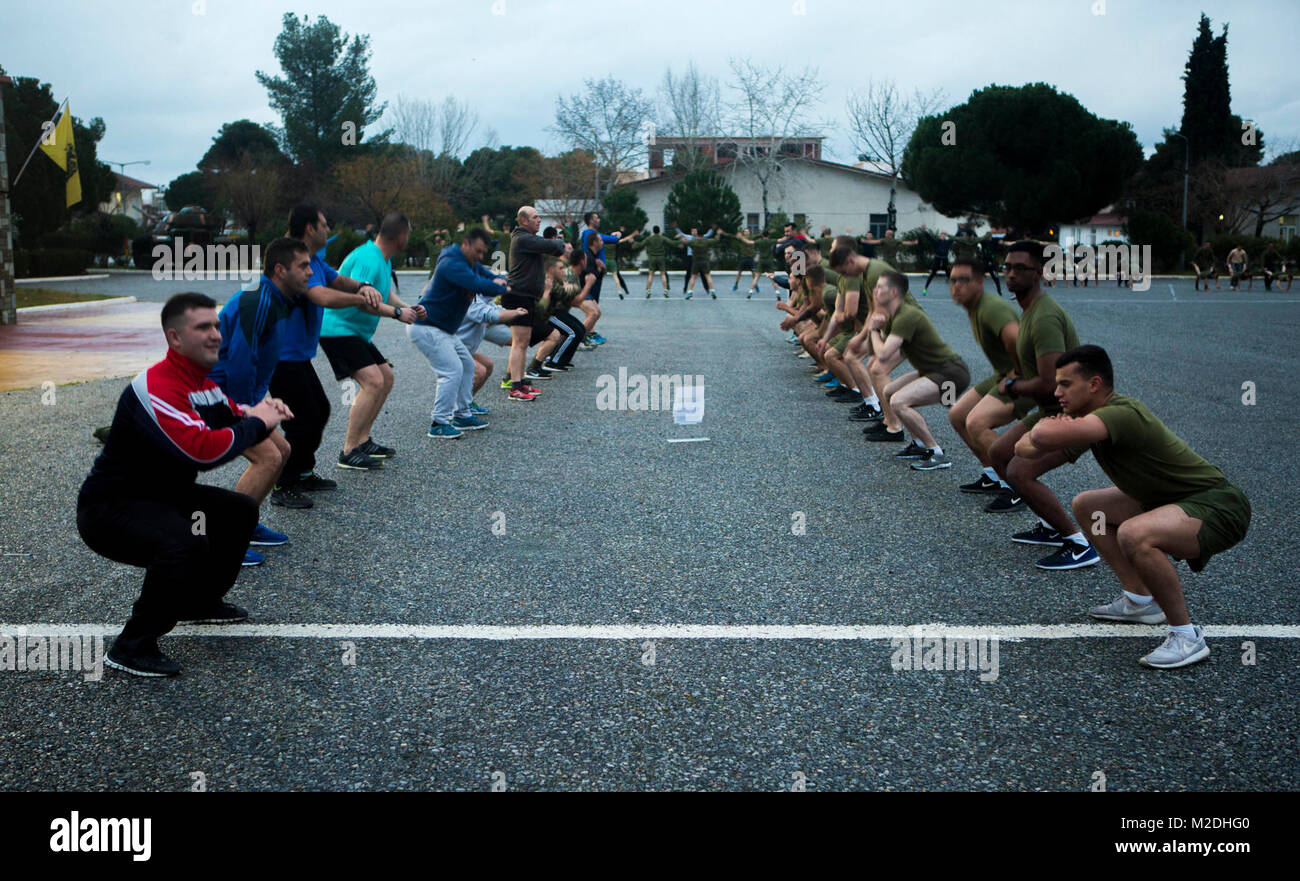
(121,170)
(1187,155)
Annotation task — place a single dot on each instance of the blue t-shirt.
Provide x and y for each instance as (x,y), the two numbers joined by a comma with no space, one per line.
(368,265)
(302,328)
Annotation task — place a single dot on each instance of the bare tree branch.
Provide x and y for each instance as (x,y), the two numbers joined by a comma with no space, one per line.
(609,121)
(772,109)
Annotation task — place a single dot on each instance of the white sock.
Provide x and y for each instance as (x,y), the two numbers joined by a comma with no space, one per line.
(1138,600)
(1049,527)
(1077,538)
(858,390)
(1005,485)
(873,400)
(992,475)
(937,450)
(1187,630)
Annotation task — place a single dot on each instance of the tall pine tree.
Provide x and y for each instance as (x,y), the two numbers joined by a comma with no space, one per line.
(1208,122)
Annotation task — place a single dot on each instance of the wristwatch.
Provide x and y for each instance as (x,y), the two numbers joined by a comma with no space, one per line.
(397,312)
(1006,387)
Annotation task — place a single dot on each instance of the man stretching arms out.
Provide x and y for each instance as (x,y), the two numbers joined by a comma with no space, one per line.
(1166,500)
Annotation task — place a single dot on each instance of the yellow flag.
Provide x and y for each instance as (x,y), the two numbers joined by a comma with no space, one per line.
(57,144)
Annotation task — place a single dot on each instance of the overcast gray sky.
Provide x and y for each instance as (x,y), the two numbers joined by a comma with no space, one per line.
(165,78)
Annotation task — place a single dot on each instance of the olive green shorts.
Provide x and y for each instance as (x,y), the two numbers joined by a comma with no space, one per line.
(658,264)
(989,386)
(1224,512)
(840,341)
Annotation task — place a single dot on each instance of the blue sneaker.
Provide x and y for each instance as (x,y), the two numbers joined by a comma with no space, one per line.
(823,377)
(443,431)
(469,423)
(267,537)
(597,338)
(832,385)
(1072,555)
(477,409)
(253,558)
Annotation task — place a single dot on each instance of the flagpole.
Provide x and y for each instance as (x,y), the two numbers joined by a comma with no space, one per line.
(18,176)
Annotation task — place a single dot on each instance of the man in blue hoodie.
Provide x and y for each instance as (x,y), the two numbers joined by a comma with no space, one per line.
(252,327)
(458,276)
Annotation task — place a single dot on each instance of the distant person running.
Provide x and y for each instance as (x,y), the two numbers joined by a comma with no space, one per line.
(346,336)
(1166,500)
(141,506)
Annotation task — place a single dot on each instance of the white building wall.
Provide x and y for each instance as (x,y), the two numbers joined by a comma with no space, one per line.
(841,199)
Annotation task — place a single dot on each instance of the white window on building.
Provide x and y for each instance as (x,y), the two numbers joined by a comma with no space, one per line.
(1286,225)
(751,221)
(877,224)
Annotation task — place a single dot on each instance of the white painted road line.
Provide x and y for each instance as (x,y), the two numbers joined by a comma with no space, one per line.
(525,632)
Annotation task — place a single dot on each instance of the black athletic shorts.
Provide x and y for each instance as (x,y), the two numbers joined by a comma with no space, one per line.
(594,293)
(746,263)
(348,354)
(519,301)
(541,330)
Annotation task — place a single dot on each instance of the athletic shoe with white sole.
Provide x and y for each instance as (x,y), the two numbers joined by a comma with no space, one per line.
(252,558)
(1129,612)
(469,423)
(1039,535)
(140,659)
(1178,651)
(1072,555)
(931,461)
(1005,502)
(264,537)
(444,431)
(376,451)
(357,460)
(221,612)
(983,485)
(912,450)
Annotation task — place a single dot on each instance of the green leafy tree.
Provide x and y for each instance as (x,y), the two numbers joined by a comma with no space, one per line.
(326,97)
(1026,157)
(38,201)
(495,182)
(242,138)
(1214,131)
(702,198)
(191,188)
(619,209)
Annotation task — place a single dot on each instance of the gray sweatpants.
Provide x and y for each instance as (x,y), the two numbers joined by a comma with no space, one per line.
(454,367)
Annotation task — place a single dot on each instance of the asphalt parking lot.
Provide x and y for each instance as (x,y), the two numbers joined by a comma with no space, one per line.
(574,517)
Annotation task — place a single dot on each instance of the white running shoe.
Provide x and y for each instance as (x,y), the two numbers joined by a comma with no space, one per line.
(1129,612)
(1178,651)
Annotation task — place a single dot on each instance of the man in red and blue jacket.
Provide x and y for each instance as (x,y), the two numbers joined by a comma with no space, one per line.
(141,506)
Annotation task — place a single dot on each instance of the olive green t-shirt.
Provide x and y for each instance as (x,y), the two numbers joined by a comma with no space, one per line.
(1145,460)
(700,250)
(990,315)
(889,249)
(1044,328)
(922,345)
(656,245)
